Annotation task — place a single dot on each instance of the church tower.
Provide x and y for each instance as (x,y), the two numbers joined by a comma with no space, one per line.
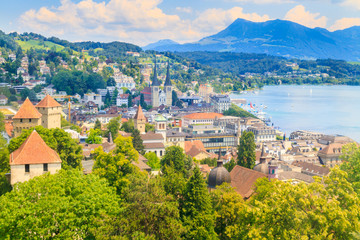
(155,89)
(51,112)
(168,87)
(140,120)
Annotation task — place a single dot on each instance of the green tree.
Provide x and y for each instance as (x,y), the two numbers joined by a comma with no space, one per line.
(130,103)
(196,211)
(230,165)
(59,140)
(128,126)
(113,127)
(149,127)
(246,150)
(137,141)
(114,96)
(351,164)
(94,137)
(325,209)
(142,101)
(149,210)
(153,160)
(174,158)
(116,166)
(65,205)
(97,124)
(229,207)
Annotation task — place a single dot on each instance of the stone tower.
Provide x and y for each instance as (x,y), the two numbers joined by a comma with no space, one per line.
(140,120)
(51,112)
(27,117)
(273,169)
(155,89)
(168,87)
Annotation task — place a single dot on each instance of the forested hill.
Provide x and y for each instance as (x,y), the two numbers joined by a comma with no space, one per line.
(110,50)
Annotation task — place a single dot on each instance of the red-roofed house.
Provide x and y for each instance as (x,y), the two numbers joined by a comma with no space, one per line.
(200,118)
(32,159)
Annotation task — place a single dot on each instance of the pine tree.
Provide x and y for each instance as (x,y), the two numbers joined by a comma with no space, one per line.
(196,211)
(137,141)
(246,150)
(97,124)
(130,104)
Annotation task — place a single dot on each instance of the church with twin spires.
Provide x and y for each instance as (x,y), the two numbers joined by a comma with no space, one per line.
(161,96)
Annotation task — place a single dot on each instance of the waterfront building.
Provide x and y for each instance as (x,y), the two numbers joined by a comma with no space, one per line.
(262,133)
(221,102)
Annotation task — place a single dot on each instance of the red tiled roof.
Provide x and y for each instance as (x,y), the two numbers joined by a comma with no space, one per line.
(197,143)
(34,151)
(243,180)
(47,102)
(151,136)
(27,110)
(153,145)
(139,114)
(204,115)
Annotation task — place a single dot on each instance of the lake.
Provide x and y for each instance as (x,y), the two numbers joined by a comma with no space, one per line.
(325,109)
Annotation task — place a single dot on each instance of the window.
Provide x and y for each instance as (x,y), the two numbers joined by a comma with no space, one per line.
(27,168)
(45,167)
(20,120)
(30,120)
(160,152)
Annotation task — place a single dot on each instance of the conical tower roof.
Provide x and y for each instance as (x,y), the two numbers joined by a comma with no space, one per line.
(47,102)
(155,81)
(168,81)
(27,110)
(34,151)
(139,114)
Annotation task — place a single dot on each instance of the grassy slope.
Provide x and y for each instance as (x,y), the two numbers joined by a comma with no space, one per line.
(26,45)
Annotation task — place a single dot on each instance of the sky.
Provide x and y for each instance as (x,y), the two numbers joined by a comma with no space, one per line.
(146,21)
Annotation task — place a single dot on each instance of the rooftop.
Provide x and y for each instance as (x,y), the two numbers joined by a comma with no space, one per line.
(203,115)
(27,110)
(34,151)
(48,102)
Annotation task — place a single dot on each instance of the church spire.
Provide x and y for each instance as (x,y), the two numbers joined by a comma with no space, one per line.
(168,81)
(155,81)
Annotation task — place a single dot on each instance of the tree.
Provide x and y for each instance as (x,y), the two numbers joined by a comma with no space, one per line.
(26,93)
(68,149)
(175,100)
(113,127)
(114,96)
(229,207)
(116,166)
(230,165)
(246,150)
(64,205)
(149,210)
(128,126)
(351,164)
(325,209)
(149,127)
(97,124)
(137,141)
(130,98)
(107,99)
(142,101)
(174,158)
(111,82)
(94,137)
(153,160)
(196,211)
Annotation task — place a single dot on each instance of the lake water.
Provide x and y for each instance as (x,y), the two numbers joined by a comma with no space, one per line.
(326,109)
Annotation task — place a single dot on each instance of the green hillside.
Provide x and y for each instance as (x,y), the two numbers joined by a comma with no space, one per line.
(36,44)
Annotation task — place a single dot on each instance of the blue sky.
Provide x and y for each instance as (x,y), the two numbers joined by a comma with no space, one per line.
(146,21)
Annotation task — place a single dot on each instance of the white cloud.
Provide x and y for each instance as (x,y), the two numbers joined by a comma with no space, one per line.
(352,3)
(214,20)
(124,20)
(136,21)
(299,15)
(184,9)
(345,23)
(263,1)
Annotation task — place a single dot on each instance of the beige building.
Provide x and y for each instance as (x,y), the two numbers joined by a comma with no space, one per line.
(46,113)
(33,158)
(205,90)
(175,138)
(27,117)
(51,112)
(140,120)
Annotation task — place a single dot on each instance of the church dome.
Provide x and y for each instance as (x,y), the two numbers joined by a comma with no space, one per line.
(262,167)
(218,176)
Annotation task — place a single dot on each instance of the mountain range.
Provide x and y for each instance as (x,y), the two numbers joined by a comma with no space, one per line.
(275,37)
